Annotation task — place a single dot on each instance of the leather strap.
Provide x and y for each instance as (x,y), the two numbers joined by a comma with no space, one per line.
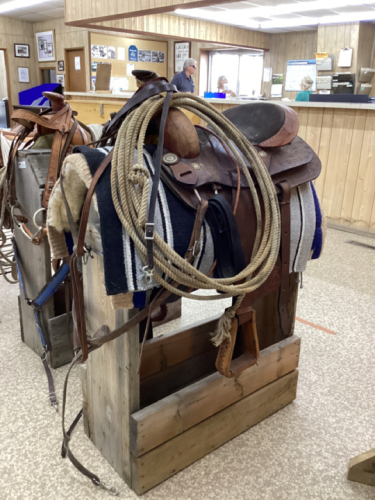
(284,197)
(150,226)
(245,319)
(147,90)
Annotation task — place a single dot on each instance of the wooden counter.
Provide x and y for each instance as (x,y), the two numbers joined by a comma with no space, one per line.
(342,135)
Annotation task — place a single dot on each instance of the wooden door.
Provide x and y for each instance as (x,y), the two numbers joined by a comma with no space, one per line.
(75,70)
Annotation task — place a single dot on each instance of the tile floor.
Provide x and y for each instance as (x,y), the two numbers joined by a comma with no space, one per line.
(299,453)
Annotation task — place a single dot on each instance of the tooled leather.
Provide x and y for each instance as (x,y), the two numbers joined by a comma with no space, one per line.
(287,133)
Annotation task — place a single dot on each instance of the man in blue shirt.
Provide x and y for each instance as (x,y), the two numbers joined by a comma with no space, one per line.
(184,80)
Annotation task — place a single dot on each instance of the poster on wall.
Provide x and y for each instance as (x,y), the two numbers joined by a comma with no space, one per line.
(94,65)
(181,52)
(133,53)
(23,75)
(144,55)
(277,85)
(129,69)
(121,53)
(93,82)
(157,56)
(111,52)
(45,46)
(99,51)
(296,70)
(61,80)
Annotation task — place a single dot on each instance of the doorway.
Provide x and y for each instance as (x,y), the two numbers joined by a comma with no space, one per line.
(6,108)
(75,70)
(48,75)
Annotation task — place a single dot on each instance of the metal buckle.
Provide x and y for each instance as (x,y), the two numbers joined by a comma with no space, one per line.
(148,273)
(88,253)
(149,231)
(112,490)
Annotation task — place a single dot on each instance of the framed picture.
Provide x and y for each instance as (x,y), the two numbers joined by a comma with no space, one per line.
(61,80)
(45,42)
(21,50)
(23,75)
(181,52)
(60,65)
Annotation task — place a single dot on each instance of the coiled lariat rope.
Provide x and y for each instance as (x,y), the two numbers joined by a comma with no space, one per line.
(130,185)
(7,263)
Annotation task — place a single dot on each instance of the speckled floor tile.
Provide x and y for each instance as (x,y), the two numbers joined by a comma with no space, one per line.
(299,453)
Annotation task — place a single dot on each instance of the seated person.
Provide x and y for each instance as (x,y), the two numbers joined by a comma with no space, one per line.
(222,86)
(306,84)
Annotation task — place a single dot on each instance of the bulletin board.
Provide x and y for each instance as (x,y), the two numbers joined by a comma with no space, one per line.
(151,55)
(296,70)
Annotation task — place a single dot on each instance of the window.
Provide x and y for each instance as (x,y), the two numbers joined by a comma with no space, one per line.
(243,70)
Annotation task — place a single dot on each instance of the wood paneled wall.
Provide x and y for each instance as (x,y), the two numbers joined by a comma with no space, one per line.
(13,31)
(181,28)
(91,9)
(333,37)
(366,50)
(285,47)
(66,37)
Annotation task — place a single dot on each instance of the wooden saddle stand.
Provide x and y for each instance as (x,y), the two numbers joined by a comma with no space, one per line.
(198,167)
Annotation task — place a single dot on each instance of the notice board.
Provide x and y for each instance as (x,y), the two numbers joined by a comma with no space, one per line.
(296,70)
(151,55)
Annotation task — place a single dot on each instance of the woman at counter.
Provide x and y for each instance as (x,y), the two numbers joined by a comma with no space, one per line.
(222,86)
(306,84)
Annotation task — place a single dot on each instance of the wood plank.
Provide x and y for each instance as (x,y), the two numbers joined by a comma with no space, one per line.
(112,374)
(353,166)
(362,468)
(181,451)
(167,350)
(324,147)
(173,415)
(365,187)
(166,382)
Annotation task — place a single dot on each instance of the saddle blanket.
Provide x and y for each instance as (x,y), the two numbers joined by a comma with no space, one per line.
(124,279)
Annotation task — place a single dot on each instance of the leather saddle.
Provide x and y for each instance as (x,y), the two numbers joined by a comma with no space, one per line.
(196,164)
(60,121)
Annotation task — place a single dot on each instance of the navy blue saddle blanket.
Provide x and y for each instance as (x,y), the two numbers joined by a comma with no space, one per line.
(174,223)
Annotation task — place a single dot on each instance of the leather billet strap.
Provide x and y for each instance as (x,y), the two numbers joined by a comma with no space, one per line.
(284,201)
(150,224)
(245,320)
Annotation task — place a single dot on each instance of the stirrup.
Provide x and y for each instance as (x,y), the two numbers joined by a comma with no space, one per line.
(225,364)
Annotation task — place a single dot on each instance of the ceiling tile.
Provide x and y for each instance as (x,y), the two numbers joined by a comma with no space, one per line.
(354,8)
(35,17)
(318,13)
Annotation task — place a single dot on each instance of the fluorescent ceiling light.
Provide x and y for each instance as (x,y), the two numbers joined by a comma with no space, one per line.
(340,18)
(19,4)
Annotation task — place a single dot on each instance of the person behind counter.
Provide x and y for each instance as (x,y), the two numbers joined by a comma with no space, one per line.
(306,84)
(222,86)
(184,80)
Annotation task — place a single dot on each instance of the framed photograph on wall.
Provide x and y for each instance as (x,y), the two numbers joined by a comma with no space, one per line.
(21,50)
(23,75)
(45,42)
(61,80)
(181,52)
(60,65)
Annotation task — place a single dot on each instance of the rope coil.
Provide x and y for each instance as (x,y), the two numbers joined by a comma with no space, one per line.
(130,202)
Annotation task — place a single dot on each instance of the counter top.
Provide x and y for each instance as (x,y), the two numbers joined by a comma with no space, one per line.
(296,104)
(238,101)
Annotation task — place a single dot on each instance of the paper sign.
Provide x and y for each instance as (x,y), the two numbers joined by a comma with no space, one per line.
(121,53)
(345,58)
(133,53)
(77,63)
(22,164)
(267,75)
(129,69)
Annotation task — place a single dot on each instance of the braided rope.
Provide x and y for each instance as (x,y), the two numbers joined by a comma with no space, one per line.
(130,189)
